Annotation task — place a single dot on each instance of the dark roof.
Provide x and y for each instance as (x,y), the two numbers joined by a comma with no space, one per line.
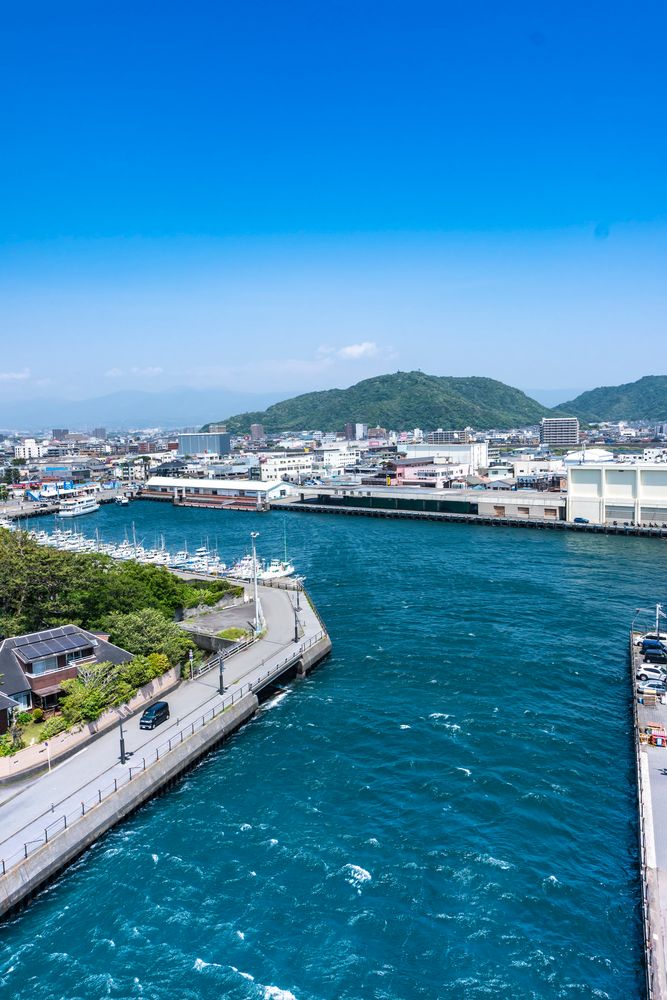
(22,649)
(7,704)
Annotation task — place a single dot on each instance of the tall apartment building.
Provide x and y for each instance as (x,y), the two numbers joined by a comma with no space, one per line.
(204,444)
(559,432)
(256,432)
(448,437)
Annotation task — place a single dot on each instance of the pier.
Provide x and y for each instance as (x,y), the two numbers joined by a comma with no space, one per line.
(363,509)
(48,822)
(650,720)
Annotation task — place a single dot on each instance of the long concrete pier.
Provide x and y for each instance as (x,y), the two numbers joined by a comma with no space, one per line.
(47,822)
(481,519)
(650,719)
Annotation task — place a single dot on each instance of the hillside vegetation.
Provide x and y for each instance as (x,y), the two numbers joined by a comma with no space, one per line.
(400,401)
(645,399)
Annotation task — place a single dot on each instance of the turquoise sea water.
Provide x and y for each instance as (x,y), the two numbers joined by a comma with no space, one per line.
(445,809)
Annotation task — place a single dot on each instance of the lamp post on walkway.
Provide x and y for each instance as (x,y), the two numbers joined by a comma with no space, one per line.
(221,678)
(296,625)
(258,610)
(123,755)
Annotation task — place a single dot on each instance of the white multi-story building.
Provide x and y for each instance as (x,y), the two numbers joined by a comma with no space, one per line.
(473,454)
(560,432)
(285,465)
(608,491)
(29,449)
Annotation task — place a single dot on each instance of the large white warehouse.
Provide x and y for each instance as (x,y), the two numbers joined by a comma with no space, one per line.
(608,492)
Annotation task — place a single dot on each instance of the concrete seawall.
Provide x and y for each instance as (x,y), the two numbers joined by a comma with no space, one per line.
(20,883)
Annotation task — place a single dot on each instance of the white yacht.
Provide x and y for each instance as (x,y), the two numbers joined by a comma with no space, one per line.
(79,505)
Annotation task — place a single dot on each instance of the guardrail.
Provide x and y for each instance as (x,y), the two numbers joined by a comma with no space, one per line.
(66,820)
(646,913)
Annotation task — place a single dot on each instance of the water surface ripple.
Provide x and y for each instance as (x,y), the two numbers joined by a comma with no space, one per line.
(444,810)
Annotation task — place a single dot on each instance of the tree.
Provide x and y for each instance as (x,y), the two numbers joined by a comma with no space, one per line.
(148,631)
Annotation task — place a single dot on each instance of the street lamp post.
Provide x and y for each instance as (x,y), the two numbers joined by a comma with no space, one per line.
(296,625)
(123,755)
(258,610)
(221,678)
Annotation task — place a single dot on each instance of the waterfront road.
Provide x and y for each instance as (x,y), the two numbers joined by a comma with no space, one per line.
(29,808)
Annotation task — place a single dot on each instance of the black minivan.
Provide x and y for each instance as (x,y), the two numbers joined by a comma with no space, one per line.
(154,715)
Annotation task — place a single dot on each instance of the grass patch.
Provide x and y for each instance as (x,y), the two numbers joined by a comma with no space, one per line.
(234,633)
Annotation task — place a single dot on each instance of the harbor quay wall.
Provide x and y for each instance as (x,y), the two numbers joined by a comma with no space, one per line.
(651,835)
(491,520)
(34,760)
(21,882)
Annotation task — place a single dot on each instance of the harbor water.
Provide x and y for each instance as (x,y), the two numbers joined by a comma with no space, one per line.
(445,809)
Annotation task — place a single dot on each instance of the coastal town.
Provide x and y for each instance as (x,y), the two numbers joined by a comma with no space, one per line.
(611,475)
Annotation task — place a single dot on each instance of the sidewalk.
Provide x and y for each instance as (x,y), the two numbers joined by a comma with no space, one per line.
(36,804)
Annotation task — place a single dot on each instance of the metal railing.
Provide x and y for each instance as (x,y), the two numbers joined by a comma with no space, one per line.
(646,910)
(66,820)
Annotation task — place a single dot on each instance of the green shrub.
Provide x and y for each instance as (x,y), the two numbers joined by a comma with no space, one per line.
(56,724)
(37,715)
(24,718)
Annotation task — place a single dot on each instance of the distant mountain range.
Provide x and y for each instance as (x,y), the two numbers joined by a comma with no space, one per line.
(178,407)
(400,401)
(645,399)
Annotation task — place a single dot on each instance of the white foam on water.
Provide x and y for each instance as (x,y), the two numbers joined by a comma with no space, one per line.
(356,875)
(245,826)
(439,715)
(200,964)
(246,975)
(550,880)
(466,771)
(253,874)
(488,859)
(273,842)
(240,935)
(155,858)
(373,841)
(405,727)
(273,702)
(275,993)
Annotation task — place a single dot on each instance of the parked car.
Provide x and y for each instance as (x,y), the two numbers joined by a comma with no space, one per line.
(652,672)
(655,656)
(651,687)
(647,644)
(651,636)
(580,520)
(154,715)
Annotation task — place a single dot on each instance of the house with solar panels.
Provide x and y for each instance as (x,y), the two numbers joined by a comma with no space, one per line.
(33,667)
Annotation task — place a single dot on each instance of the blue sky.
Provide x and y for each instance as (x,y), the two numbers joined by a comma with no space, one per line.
(287,196)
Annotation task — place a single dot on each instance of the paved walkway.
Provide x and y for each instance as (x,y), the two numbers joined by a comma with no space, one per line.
(36,804)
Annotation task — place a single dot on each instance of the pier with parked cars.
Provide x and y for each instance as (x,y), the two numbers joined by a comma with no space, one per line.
(648,662)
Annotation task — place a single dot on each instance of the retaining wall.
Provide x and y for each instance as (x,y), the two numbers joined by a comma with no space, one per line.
(22,882)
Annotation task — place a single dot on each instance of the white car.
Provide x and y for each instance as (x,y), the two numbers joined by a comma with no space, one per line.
(651,635)
(651,672)
(651,687)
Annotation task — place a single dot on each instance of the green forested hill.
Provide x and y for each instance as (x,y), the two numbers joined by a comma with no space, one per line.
(645,399)
(400,401)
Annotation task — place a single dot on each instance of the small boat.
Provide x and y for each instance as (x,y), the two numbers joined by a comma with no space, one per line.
(123,501)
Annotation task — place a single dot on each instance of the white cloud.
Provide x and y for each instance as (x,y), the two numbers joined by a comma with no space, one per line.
(148,372)
(367,349)
(15,376)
